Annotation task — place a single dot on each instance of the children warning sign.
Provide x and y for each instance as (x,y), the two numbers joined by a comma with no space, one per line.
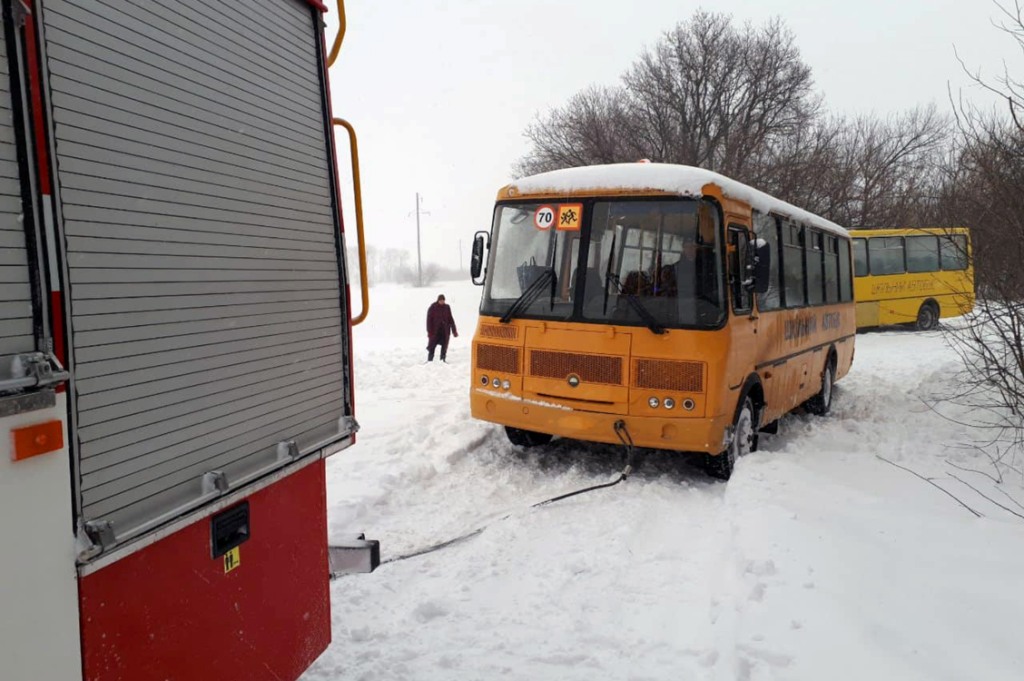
(570,216)
(566,217)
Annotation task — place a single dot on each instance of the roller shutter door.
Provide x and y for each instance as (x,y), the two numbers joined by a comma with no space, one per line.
(16,318)
(201,240)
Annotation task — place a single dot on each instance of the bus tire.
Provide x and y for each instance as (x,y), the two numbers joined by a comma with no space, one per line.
(526,438)
(927,316)
(743,434)
(821,403)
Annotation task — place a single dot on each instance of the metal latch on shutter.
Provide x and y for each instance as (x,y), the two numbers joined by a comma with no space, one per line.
(30,370)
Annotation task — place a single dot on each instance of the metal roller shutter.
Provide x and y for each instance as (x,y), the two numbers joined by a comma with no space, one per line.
(200,229)
(17,334)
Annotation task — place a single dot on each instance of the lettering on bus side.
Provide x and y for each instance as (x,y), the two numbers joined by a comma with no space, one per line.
(830,320)
(916,286)
(801,327)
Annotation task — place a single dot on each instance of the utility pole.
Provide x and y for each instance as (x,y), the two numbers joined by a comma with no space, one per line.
(419,258)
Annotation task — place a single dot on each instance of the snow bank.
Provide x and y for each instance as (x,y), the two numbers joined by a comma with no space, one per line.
(816,561)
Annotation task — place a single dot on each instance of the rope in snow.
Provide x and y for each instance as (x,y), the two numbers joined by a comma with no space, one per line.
(623,434)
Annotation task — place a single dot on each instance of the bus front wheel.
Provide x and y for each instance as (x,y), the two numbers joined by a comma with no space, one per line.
(743,438)
(927,316)
(526,438)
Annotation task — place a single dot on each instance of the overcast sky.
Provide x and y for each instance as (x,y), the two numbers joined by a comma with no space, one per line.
(440,92)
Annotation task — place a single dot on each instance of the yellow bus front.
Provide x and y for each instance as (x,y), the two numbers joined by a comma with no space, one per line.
(599,309)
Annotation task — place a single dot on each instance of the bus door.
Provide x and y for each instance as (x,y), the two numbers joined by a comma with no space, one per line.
(744,322)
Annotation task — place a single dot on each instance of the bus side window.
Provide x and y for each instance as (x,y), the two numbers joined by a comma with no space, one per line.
(813,253)
(845,282)
(860,257)
(886,255)
(793,265)
(954,252)
(922,254)
(831,269)
(766,227)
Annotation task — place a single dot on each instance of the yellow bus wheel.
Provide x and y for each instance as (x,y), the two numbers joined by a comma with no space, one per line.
(927,316)
(821,403)
(743,437)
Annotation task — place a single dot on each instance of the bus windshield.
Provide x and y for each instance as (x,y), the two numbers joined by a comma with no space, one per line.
(654,263)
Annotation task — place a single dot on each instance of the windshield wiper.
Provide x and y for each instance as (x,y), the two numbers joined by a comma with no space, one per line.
(643,312)
(608,275)
(531,293)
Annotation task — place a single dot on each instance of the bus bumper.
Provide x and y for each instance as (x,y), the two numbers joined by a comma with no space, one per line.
(693,434)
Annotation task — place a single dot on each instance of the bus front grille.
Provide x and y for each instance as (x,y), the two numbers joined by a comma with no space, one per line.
(661,374)
(497,358)
(590,368)
(504,332)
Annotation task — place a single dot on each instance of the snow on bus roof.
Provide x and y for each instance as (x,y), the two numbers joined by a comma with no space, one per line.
(661,177)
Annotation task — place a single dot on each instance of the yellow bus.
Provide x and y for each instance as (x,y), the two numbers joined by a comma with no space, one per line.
(667,303)
(912,276)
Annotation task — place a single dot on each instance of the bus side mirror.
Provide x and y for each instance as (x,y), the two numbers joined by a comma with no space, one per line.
(476,259)
(762,266)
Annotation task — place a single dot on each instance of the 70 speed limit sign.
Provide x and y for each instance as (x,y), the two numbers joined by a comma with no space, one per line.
(544,217)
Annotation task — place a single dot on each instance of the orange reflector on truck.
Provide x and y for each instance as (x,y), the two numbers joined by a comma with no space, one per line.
(37,439)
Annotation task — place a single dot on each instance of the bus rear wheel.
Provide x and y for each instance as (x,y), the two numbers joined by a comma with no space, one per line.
(526,438)
(821,403)
(743,439)
(927,316)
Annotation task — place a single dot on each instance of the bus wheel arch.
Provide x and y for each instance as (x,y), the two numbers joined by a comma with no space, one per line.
(742,433)
(927,315)
(755,391)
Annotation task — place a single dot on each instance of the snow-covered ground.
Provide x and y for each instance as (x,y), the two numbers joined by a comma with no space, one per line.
(816,561)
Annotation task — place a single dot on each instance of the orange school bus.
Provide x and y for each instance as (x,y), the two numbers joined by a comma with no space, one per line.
(670,303)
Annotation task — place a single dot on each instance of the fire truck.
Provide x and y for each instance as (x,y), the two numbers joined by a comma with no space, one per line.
(175,338)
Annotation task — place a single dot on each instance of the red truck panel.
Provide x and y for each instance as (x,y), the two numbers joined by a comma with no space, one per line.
(267,618)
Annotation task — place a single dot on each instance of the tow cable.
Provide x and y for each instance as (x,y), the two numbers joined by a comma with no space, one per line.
(620,431)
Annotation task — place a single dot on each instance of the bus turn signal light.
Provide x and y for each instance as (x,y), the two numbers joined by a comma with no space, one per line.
(37,439)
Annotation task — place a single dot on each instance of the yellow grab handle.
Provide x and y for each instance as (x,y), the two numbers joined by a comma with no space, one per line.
(364,285)
(336,47)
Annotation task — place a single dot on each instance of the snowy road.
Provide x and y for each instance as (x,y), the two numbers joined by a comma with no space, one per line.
(816,561)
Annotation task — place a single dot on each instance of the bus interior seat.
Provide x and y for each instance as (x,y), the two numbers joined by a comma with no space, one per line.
(637,283)
(666,285)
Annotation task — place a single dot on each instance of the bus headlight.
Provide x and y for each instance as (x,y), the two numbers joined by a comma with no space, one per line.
(484,380)
(653,403)
(496,382)
(506,384)
(669,403)
(688,404)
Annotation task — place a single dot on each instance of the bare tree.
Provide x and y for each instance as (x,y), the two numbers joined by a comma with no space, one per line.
(587,130)
(895,166)
(740,100)
(984,188)
(709,94)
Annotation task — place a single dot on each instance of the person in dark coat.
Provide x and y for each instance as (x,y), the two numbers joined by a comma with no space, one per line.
(439,324)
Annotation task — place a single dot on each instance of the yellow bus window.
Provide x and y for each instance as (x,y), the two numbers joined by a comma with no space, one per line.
(922,254)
